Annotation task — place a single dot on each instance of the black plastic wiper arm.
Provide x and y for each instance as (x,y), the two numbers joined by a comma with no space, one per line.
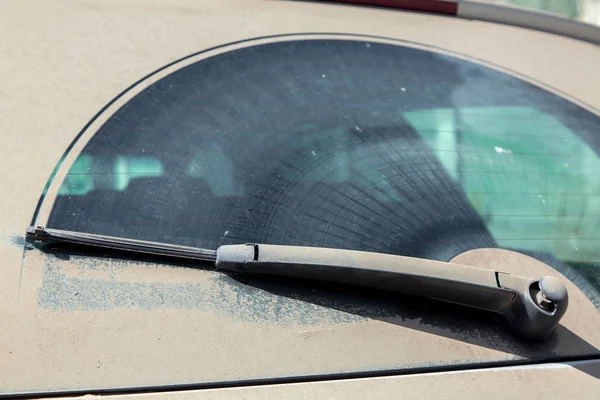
(532,307)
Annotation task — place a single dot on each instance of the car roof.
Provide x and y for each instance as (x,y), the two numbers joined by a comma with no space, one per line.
(65,61)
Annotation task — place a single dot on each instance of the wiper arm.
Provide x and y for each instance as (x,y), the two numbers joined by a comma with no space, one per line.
(532,307)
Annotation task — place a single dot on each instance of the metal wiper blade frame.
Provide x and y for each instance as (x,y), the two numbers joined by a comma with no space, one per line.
(532,307)
(43,235)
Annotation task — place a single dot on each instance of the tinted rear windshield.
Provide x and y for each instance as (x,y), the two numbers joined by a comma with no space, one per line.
(346,144)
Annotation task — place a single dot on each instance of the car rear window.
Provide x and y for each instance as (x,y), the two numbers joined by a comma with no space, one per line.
(349,144)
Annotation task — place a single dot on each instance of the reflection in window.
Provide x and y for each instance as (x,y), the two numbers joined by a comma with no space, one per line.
(216,169)
(127,168)
(531,178)
(96,173)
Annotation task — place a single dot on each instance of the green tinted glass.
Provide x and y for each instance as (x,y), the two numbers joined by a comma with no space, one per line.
(534,181)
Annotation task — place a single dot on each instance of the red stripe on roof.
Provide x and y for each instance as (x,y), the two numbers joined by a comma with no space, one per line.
(432,6)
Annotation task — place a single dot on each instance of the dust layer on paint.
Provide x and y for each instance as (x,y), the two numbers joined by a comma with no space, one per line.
(96,284)
(62,291)
(17,240)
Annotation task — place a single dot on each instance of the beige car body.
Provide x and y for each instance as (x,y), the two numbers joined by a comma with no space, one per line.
(63,61)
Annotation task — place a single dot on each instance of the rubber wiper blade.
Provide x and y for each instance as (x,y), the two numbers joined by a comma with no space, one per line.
(42,235)
(532,307)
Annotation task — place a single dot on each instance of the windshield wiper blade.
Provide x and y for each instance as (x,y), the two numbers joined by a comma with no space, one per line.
(532,307)
(40,234)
